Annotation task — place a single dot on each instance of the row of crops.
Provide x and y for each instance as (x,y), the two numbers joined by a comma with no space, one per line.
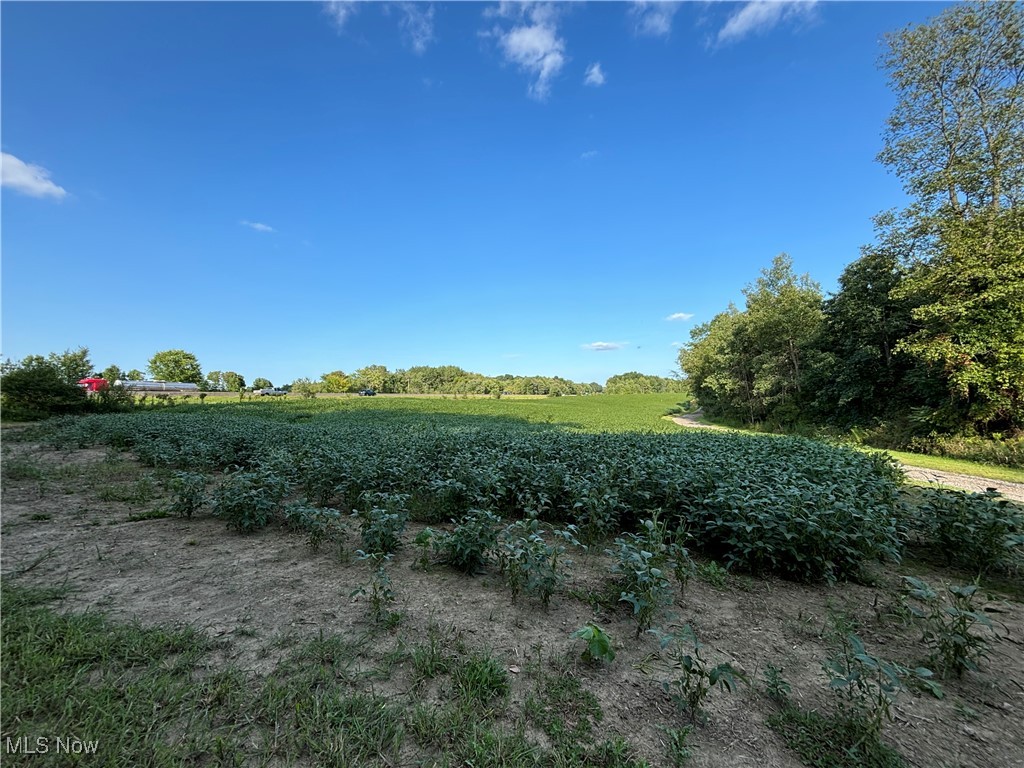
(789,506)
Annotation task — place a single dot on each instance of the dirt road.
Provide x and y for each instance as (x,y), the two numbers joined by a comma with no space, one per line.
(1010,490)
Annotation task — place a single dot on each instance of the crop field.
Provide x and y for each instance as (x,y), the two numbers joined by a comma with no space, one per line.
(472,582)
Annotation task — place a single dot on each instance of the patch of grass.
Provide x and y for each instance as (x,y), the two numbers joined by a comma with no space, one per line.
(959,466)
(18,469)
(832,742)
(480,680)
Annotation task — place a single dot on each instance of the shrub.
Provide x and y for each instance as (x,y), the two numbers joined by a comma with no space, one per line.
(38,391)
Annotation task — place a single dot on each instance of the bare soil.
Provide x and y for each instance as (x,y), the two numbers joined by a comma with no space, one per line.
(261,593)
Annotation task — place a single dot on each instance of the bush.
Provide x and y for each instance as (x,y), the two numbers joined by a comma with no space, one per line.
(37,392)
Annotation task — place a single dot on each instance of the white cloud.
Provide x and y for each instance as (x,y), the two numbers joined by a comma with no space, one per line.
(676,344)
(590,154)
(759,16)
(28,179)
(257,226)
(653,18)
(594,75)
(532,44)
(417,25)
(340,11)
(680,316)
(605,346)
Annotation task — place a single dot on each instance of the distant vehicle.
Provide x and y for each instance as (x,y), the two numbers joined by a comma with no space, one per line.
(157,386)
(366,393)
(269,391)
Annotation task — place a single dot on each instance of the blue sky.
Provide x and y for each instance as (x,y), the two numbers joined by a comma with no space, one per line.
(286,189)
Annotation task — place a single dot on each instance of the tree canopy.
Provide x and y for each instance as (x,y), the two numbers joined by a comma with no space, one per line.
(175,365)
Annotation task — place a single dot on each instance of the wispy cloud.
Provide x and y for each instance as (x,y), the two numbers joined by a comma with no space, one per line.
(340,11)
(605,346)
(653,18)
(257,226)
(594,75)
(676,344)
(532,44)
(680,316)
(28,179)
(417,25)
(759,16)
(590,154)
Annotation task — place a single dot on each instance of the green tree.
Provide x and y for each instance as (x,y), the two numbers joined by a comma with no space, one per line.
(862,375)
(214,381)
(112,373)
(233,382)
(954,136)
(335,381)
(718,365)
(261,383)
(71,365)
(956,139)
(135,375)
(752,365)
(970,306)
(175,365)
(305,387)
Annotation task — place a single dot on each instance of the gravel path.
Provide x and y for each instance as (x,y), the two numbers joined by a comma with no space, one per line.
(1010,490)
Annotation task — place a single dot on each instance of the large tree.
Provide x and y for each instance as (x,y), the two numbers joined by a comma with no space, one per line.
(954,136)
(175,365)
(956,139)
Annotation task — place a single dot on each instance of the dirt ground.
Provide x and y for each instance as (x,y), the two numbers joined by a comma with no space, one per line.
(263,592)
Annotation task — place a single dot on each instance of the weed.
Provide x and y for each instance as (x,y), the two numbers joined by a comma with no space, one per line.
(836,741)
(692,676)
(532,565)
(948,626)
(189,489)
(678,751)
(381,595)
(424,542)
(713,574)
(479,680)
(775,685)
(867,685)
(977,531)
(320,524)
(640,568)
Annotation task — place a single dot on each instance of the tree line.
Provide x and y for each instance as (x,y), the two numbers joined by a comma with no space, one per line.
(925,334)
